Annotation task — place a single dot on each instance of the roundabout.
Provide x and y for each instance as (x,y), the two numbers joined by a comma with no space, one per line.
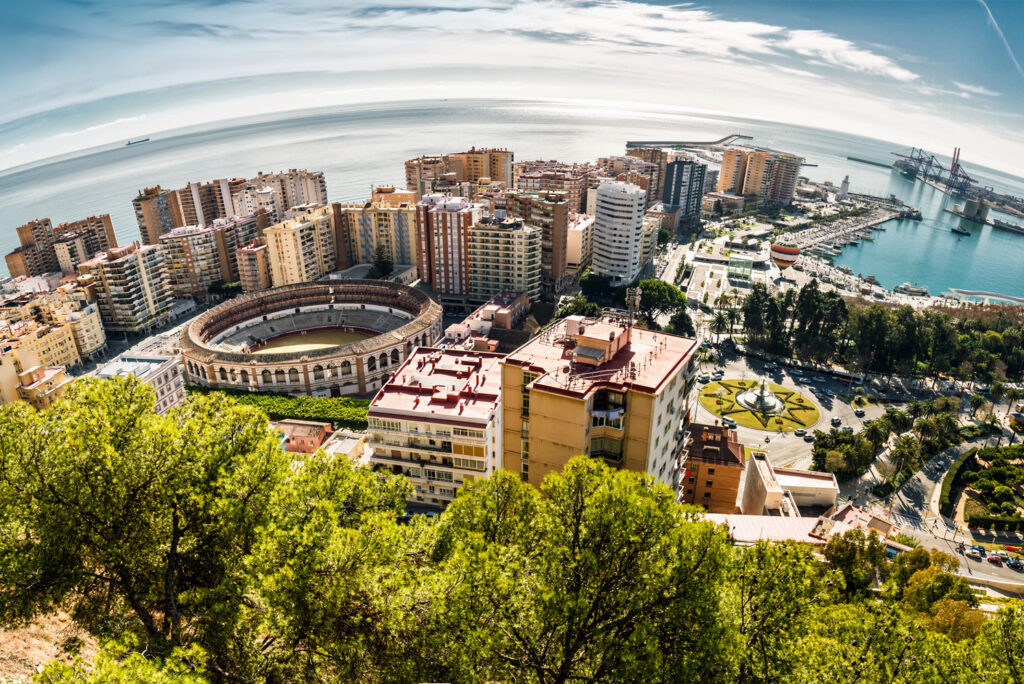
(760,405)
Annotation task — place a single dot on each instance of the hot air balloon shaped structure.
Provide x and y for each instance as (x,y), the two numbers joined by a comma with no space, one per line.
(785,254)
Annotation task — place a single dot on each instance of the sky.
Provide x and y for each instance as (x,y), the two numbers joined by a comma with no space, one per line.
(934,74)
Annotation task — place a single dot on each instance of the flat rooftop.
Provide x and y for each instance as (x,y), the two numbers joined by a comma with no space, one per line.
(139,366)
(791,478)
(748,529)
(452,385)
(644,362)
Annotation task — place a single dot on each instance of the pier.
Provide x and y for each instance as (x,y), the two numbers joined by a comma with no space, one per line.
(841,230)
(727,140)
(987,296)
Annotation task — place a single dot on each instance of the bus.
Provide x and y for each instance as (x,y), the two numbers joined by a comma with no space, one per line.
(849,378)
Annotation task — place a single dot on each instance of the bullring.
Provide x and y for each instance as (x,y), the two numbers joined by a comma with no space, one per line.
(282,340)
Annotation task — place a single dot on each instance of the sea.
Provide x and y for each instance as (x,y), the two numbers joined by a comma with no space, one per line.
(364,145)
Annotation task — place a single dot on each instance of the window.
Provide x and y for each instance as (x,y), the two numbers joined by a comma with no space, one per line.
(707,495)
(607,448)
(468,463)
(708,483)
(711,471)
(462,432)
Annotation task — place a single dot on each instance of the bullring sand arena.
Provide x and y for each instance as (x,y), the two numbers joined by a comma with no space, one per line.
(319,339)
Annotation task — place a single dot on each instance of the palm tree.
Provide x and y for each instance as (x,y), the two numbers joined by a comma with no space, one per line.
(916,409)
(719,324)
(925,428)
(877,432)
(997,392)
(1012,395)
(734,317)
(977,403)
(946,423)
(904,451)
(899,420)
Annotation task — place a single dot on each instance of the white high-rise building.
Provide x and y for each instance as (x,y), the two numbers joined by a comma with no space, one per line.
(618,231)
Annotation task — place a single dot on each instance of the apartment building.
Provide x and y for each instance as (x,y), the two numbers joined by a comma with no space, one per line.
(437,421)
(130,286)
(635,171)
(503,254)
(199,256)
(618,244)
(42,386)
(474,164)
(388,220)
(659,158)
(423,170)
(35,255)
(548,211)
(442,227)
(278,192)
(579,243)
(711,468)
(162,373)
(684,188)
(254,266)
(50,344)
(157,211)
(759,175)
(45,249)
(598,387)
(67,306)
(302,249)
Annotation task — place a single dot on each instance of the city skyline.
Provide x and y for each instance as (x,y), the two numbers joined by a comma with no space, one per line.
(837,67)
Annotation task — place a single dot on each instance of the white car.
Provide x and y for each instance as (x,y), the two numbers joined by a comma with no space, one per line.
(973,553)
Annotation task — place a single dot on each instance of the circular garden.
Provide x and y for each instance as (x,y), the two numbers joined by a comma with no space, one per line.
(796,411)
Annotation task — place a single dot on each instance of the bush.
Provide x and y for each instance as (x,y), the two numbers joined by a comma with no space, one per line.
(341,412)
(945,505)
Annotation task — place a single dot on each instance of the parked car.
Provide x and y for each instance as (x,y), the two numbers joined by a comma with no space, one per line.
(973,553)
(799,432)
(847,428)
(836,421)
(829,392)
(808,438)
(995,558)
(820,378)
(796,371)
(1015,564)
(704,379)
(858,412)
(980,549)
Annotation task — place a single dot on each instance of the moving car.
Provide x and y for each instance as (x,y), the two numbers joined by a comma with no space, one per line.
(729,422)
(820,378)
(808,438)
(858,412)
(836,421)
(995,558)
(1015,564)
(799,432)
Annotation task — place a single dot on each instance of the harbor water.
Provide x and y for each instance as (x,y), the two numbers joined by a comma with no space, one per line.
(360,146)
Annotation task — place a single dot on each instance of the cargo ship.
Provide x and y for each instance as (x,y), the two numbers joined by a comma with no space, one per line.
(1006,225)
(136,142)
(960,231)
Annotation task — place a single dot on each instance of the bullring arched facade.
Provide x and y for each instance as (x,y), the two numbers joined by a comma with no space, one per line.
(216,346)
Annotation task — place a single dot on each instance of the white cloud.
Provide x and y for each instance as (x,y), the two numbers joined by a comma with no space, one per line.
(842,53)
(975,89)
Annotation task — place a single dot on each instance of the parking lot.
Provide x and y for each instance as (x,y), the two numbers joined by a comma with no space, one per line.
(787,449)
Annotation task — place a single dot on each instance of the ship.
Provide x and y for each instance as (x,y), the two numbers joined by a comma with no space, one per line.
(136,142)
(872,279)
(1006,225)
(911,289)
(960,231)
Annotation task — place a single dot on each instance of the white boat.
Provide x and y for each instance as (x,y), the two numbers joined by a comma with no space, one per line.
(912,289)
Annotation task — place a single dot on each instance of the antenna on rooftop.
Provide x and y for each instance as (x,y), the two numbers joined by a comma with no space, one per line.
(633,295)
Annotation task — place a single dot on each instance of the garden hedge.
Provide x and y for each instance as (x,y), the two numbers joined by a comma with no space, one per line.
(945,505)
(342,412)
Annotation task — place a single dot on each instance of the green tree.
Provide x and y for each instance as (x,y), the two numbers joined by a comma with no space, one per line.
(956,619)
(681,324)
(899,420)
(719,324)
(877,432)
(927,587)
(1012,395)
(977,402)
(578,306)
(120,663)
(659,297)
(382,263)
(132,521)
(858,557)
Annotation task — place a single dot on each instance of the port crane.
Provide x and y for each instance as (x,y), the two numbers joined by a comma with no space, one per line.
(921,163)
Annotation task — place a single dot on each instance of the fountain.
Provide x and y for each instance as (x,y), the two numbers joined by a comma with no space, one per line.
(760,399)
